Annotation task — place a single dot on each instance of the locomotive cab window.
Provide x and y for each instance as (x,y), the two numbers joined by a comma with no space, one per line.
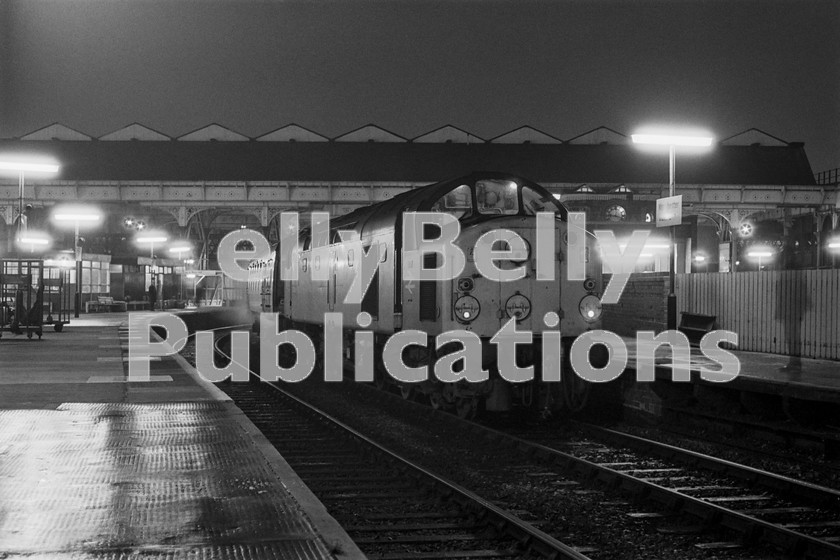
(457,202)
(534,202)
(497,197)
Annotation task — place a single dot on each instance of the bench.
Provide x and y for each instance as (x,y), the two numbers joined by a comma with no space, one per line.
(695,326)
(105,303)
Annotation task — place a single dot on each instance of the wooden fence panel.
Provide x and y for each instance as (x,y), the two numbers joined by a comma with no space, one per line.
(783,312)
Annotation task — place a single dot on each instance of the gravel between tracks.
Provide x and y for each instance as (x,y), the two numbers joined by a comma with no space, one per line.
(575,514)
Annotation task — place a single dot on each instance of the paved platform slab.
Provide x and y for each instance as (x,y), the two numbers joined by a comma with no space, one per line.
(801,378)
(95,467)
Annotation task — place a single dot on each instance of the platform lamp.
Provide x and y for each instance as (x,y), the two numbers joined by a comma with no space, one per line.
(833,246)
(79,216)
(181,248)
(672,140)
(22,165)
(760,253)
(34,241)
(151,238)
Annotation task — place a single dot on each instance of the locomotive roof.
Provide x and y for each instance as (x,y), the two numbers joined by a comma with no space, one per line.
(383,214)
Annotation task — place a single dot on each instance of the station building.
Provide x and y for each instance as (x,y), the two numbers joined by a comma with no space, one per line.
(750,189)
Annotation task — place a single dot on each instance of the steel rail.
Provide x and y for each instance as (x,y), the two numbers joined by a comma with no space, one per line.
(772,481)
(529,536)
(752,528)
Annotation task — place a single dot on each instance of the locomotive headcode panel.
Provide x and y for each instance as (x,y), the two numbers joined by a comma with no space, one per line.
(493,284)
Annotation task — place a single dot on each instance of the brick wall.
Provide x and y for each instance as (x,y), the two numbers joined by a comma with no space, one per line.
(643,306)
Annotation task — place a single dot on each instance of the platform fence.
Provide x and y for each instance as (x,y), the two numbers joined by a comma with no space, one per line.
(792,312)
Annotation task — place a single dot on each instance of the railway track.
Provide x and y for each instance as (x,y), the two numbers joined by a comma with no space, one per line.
(798,518)
(392,508)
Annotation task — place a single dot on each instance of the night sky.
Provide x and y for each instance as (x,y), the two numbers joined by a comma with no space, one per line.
(563,66)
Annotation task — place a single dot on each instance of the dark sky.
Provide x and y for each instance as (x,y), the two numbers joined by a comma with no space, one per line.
(563,66)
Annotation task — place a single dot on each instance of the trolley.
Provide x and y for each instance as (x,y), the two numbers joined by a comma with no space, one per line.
(58,299)
(22,296)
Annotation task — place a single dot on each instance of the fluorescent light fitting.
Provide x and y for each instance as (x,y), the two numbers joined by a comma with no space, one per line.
(28,166)
(760,254)
(78,217)
(34,240)
(671,140)
(152,239)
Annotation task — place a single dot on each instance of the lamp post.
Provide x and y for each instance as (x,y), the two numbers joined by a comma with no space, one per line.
(77,215)
(181,248)
(152,237)
(672,140)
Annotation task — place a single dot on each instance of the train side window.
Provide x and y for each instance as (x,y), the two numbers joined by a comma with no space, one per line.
(428,291)
(279,288)
(370,301)
(534,202)
(457,202)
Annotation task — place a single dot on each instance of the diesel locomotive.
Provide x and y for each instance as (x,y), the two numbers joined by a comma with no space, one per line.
(482,203)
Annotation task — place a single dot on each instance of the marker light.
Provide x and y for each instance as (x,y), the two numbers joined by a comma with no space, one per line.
(590,308)
(518,306)
(466,308)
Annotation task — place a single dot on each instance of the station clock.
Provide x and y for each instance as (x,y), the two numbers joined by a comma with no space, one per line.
(615,213)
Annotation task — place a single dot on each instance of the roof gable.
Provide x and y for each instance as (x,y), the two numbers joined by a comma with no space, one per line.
(56,131)
(370,133)
(292,133)
(135,131)
(213,132)
(446,134)
(751,137)
(525,135)
(600,135)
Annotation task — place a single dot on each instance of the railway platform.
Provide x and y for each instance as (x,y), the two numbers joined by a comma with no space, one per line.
(92,466)
(771,374)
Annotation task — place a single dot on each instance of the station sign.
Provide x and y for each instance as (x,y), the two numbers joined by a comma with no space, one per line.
(669,211)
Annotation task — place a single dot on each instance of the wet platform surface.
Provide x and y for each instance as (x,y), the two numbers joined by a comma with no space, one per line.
(776,374)
(92,466)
